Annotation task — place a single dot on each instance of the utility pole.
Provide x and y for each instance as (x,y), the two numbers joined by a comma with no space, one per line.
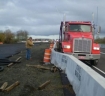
(97,25)
(93,25)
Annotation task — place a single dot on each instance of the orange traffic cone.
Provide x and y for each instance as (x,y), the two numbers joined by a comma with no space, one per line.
(47,55)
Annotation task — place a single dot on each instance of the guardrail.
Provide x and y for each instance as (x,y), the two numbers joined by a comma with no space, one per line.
(85,81)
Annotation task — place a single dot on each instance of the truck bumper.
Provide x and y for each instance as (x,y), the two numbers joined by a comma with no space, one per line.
(86,56)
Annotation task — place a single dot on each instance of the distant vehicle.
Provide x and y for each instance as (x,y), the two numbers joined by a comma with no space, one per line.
(45,41)
(77,38)
(41,40)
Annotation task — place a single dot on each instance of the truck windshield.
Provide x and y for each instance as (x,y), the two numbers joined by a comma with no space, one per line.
(80,28)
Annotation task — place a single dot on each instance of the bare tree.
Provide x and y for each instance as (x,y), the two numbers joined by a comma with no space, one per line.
(22,35)
(9,36)
(2,36)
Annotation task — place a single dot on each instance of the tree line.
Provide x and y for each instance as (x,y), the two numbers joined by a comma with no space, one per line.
(100,40)
(8,36)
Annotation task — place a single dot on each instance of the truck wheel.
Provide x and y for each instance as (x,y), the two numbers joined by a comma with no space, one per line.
(94,62)
(91,62)
(60,48)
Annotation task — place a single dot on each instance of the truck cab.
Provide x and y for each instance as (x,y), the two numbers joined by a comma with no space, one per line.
(77,38)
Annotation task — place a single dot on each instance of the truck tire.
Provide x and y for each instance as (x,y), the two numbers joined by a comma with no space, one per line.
(94,62)
(91,62)
(59,47)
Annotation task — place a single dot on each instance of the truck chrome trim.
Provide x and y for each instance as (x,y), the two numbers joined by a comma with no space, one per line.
(82,45)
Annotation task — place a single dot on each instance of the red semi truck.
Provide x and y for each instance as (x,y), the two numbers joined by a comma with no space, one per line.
(77,38)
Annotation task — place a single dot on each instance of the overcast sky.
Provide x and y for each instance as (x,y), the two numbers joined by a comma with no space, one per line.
(43,17)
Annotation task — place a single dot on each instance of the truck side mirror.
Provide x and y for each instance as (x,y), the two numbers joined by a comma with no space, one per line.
(99,29)
(92,30)
(63,28)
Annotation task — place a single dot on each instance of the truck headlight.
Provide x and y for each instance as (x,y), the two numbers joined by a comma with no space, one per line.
(67,46)
(96,48)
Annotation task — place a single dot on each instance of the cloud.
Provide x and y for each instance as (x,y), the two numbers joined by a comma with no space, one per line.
(43,17)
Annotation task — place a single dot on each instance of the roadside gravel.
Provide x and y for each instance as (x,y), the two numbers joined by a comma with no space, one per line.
(29,77)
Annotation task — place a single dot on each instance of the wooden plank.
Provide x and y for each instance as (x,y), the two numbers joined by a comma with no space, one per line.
(38,66)
(44,85)
(9,64)
(12,86)
(2,88)
(18,59)
(13,63)
(55,69)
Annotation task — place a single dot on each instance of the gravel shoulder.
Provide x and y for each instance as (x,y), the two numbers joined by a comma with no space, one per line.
(29,77)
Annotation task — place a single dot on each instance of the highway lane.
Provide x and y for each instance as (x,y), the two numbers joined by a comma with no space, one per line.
(100,67)
(101,64)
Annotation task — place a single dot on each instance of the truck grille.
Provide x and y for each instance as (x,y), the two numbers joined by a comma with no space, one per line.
(82,45)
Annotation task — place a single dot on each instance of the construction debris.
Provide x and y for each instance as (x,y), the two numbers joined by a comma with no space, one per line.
(13,63)
(12,86)
(2,88)
(38,66)
(54,69)
(44,85)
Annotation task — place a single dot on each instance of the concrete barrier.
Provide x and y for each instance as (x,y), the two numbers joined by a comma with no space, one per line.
(85,81)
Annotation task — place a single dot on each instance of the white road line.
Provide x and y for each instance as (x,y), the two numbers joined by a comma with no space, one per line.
(99,70)
(102,53)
